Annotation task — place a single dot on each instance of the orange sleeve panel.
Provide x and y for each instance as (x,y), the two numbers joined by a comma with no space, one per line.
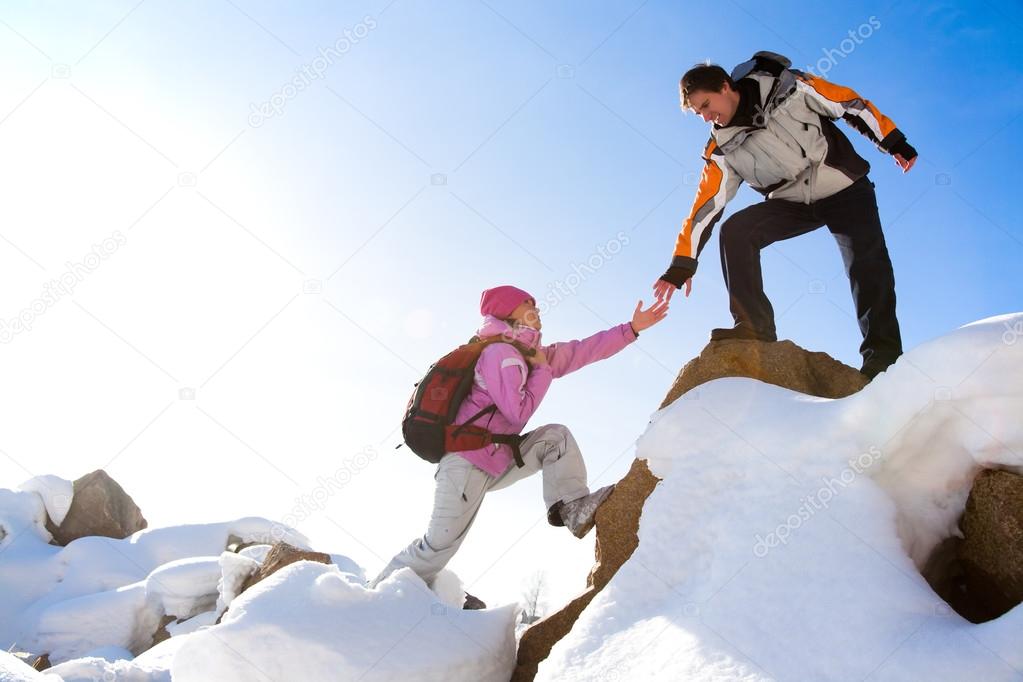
(851,103)
(710,186)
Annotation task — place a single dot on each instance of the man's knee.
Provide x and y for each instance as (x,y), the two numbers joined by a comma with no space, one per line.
(740,227)
(731,230)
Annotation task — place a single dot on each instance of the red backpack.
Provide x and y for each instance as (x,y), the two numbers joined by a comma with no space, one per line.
(427,427)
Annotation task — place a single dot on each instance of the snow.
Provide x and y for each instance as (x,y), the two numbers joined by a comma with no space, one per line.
(235,568)
(13,670)
(448,587)
(310,621)
(785,539)
(784,542)
(56,493)
(95,604)
(185,587)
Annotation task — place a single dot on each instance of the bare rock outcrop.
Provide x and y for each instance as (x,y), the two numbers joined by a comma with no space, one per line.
(980,574)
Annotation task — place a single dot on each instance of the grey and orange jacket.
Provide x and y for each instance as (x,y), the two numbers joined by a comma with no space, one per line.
(787,148)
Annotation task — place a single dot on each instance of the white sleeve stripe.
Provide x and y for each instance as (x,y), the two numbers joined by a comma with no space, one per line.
(516,362)
(855,107)
(509,362)
(718,201)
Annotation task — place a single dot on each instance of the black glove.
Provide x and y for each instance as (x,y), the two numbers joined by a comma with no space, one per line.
(682,268)
(905,149)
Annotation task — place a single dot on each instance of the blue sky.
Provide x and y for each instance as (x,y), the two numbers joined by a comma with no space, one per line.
(285,278)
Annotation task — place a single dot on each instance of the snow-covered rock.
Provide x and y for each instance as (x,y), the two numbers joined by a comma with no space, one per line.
(184,587)
(786,537)
(100,592)
(56,493)
(309,621)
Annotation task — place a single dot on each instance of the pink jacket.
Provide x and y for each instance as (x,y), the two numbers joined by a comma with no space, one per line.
(504,378)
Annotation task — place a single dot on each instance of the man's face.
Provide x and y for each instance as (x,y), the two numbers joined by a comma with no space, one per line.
(715,107)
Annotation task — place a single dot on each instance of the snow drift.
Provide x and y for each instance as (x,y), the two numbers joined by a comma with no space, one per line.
(786,537)
(784,542)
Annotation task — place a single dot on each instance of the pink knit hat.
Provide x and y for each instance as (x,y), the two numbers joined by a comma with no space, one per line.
(501,301)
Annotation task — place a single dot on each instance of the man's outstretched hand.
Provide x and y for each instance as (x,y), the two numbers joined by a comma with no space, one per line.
(903,164)
(644,319)
(665,290)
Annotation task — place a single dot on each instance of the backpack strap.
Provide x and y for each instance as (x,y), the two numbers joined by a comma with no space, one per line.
(470,420)
(513,441)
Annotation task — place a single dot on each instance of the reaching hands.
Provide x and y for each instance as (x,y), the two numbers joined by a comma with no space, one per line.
(644,319)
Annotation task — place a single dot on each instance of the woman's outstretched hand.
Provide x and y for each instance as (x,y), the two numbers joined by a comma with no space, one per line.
(643,319)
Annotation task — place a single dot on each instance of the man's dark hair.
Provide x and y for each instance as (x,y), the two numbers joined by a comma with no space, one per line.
(706,77)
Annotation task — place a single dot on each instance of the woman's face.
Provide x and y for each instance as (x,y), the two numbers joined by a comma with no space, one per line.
(527,314)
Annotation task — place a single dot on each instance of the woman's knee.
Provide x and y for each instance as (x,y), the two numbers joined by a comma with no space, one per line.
(559,429)
(558,433)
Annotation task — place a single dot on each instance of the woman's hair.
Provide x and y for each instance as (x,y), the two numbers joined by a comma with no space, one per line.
(705,77)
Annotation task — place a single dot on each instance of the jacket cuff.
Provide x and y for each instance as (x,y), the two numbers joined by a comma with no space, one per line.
(905,149)
(891,140)
(681,269)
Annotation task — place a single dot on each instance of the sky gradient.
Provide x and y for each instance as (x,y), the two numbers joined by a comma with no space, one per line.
(243,230)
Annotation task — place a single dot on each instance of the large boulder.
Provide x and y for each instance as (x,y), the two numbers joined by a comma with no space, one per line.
(99,506)
(781,363)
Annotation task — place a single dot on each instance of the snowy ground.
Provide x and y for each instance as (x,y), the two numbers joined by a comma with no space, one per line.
(785,539)
(783,543)
(97,602)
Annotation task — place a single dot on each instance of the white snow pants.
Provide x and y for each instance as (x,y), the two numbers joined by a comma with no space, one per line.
(461,486)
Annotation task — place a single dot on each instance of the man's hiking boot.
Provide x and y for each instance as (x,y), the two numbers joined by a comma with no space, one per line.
(740,331)
(580,515)
(473,603)
(871,368)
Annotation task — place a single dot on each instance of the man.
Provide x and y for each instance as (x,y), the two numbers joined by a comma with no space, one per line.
(774,128)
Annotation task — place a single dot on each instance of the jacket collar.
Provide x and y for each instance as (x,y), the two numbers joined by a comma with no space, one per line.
(772,94)
(493,326)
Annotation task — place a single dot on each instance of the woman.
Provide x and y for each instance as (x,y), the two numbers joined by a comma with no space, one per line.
(516,383)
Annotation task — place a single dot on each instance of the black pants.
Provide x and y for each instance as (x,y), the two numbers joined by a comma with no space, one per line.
(851,216)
